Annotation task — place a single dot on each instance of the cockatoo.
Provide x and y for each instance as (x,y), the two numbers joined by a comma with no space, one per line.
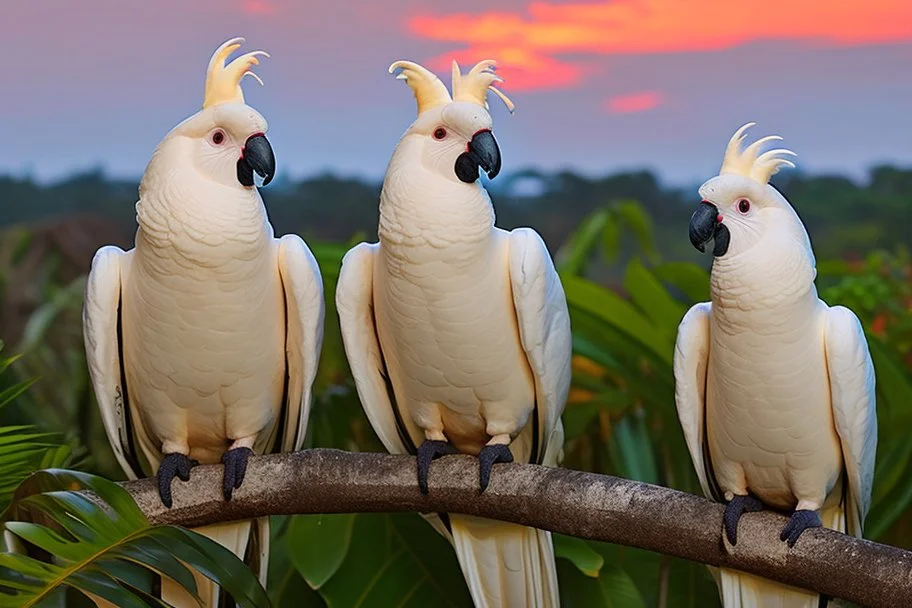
(203,341)
(465,323)
(774,389)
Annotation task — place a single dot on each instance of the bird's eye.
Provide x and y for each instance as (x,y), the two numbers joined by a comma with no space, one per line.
(440,133)
(744,205)
(218,137)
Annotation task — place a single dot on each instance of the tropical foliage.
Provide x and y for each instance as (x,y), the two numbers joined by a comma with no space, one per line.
(628,285)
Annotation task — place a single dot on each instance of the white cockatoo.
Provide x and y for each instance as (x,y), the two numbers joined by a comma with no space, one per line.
(203,341)
(465,323)
(774,389)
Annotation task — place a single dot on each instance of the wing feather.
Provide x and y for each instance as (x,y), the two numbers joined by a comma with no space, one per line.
(355,304)
(305,311)
(852,391)
(544,329)
(100,328)
(691,360)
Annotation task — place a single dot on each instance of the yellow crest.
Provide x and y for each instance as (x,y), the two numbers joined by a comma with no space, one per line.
(223,82)
(473,87)
(747,162)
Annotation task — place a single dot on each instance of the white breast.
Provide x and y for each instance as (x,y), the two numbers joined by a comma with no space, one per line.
(445,315)
(769,416)
(203,335)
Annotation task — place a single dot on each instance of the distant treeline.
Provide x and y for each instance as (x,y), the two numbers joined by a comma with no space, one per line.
(844,217)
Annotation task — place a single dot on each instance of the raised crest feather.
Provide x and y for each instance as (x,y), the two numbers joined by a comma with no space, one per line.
(749,162)
(223,82)
(430,92)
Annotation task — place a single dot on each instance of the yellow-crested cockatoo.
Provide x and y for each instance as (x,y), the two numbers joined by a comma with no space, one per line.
(203,341)
(774,389)
(466,323)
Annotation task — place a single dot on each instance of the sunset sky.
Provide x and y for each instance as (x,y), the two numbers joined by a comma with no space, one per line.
(599,86)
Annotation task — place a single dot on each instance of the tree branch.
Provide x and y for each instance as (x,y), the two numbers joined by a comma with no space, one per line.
(586,505)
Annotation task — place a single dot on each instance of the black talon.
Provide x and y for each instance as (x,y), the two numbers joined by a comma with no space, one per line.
(235,462)
(738,506)
(799,522)
(172,465)
(489,455)
(430,450)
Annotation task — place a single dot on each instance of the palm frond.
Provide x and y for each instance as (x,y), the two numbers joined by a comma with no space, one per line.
(102,545)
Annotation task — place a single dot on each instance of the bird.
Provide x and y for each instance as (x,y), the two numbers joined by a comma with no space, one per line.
(458,332)
(203,341)
(775,390)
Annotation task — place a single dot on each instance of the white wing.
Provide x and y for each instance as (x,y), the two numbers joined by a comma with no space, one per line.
(305,310)
(100,328)
(854,407)
(544,329)
(355,304)
(691,360)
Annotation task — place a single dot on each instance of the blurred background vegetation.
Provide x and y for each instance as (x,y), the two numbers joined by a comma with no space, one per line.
(629,273)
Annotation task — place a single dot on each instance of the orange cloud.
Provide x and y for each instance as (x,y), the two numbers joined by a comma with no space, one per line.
(520,68)
(635,102)
(545,31)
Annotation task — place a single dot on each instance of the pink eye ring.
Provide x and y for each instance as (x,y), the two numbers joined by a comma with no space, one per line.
(440,133)
(744,205)
(218,137)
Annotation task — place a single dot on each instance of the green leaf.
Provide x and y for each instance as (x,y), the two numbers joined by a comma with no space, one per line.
(634,449)
(619,314)
(611,239)
(571,258)
(396,560)
(11,392)
(652,298)
(104,546)
(317,545)
(612,589)
(691,279)
(579,553)
(634,216)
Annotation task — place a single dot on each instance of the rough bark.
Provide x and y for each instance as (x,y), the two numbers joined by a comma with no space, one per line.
(586,505)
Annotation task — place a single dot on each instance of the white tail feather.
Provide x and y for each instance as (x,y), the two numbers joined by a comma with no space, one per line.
(504,564)
(740,590)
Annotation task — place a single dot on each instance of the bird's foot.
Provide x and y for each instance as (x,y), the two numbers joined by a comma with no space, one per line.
(800,521)
(489,455)
(430,450)
(235,461)
(172,465)
(738,506)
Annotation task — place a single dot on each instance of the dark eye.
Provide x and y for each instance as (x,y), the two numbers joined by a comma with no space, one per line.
(744,205)
(218,137)
(439,133)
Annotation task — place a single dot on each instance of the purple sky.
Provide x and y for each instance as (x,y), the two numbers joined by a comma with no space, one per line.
(99,82)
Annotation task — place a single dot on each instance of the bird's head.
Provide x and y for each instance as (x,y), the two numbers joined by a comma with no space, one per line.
(739,208)
(225,142)
(452,136)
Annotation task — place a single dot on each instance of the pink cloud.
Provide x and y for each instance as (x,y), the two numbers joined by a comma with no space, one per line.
(258,7)
(634,102)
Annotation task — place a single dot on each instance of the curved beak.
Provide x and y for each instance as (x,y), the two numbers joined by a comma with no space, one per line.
(256,155)
(705,226)
(481,153)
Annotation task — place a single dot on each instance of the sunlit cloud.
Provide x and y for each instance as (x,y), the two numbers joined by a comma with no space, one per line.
(258,7)
(634,102)
(536,38)
(520,69)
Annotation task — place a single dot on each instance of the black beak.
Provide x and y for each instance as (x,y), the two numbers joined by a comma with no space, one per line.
(257,155)
(705,226)
(482,152)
